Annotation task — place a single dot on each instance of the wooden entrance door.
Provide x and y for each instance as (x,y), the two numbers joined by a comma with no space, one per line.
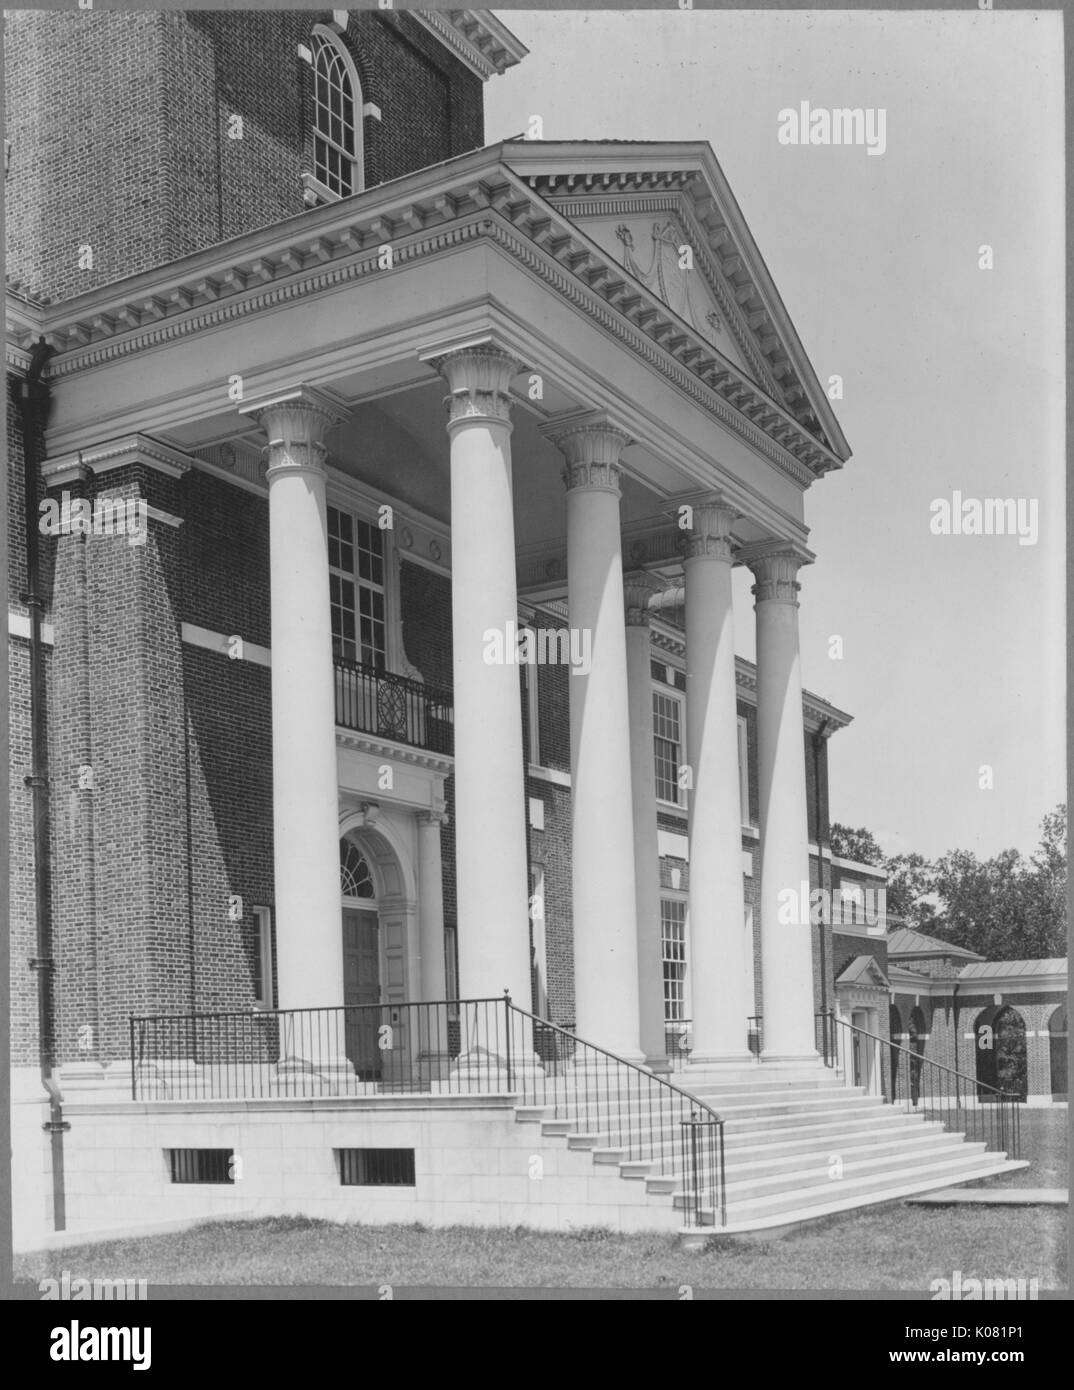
(361,985)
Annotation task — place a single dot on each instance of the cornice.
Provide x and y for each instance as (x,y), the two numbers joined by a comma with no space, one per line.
(117,453)
(398,752)
(331,247)
(476,37)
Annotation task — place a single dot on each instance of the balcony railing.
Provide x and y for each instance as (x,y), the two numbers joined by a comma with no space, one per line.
(373,701)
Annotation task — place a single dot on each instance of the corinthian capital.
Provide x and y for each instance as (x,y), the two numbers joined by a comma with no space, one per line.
(710,534)
(296,422)
(479,380)
(638,588)
(592,448)
(774,570)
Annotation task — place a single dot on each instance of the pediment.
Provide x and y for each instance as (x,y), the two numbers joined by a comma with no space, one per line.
(656,208)
(656,249)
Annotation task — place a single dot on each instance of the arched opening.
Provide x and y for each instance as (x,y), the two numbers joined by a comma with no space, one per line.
(918,1030)
(895,1030)
(361,960)
(1000,1047)
(337,115)
(1057,1052)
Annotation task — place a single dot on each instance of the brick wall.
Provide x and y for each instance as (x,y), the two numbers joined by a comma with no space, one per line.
(133,110)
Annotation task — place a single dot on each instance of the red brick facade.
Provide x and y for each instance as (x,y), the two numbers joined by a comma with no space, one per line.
(158,171)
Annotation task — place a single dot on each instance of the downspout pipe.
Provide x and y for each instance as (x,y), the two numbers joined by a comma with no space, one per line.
(34,403)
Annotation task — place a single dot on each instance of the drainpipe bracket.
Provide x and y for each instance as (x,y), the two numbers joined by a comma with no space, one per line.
(42,963)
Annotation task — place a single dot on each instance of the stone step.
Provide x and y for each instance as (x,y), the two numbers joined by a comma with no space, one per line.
(898,1191)
(816,1171)
(788,1168)
(939,1172)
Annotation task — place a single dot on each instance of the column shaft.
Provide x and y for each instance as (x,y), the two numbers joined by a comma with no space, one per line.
(602,837)
(786,945)
(490,803)
(646,847)
(431,906)
(717,934)
(305,802)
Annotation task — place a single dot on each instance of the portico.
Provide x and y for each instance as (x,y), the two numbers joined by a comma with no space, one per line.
(534,429)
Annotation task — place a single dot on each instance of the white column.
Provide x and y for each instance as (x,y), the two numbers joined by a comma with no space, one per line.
(639,586)
(431,905)
(305,805)
(786,945)
(602,836)
(432,1023)
(717,938)
(490,802)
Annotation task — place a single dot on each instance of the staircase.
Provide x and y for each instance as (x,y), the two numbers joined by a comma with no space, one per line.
(798,1144)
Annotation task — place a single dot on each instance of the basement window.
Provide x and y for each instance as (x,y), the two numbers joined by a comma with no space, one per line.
(202,1165)
(376,1167)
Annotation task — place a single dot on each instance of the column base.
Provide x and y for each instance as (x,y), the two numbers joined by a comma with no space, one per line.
(484,1072)
(659,1065)
(295,1075)
(791,1059)
(745,1058)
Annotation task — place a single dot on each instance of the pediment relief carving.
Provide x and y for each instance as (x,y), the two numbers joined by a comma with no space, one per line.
(658,256)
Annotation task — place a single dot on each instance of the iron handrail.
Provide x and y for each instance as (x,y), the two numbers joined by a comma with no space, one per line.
(971,1081)
(695,1166)
(1003,1103)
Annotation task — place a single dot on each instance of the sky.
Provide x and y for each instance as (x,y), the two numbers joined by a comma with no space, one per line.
(953,376)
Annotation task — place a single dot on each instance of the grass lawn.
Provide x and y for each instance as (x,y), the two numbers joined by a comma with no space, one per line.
(894,1247)
(1045,1144)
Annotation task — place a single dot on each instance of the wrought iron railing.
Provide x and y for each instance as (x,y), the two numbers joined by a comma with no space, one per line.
(372,701)
(446,1047)
(906,1078)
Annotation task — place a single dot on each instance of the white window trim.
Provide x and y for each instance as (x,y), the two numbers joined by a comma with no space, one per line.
(540,937)
(395,659)
(263,918)
(744,771)
(670,693)
(533,714)
(331,36)
(677,895)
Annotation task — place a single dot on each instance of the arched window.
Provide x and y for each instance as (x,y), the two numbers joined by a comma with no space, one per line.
(355,880)
(337,115)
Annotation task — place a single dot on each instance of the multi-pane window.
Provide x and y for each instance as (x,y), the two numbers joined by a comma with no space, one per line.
(337,116)
(667,746)
(673,953)
(356,582)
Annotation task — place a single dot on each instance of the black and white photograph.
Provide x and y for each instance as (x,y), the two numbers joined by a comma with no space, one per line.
(536,679)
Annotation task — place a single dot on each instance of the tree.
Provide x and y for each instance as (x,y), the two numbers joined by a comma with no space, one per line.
(909,885)
(1007,907)
(858,845)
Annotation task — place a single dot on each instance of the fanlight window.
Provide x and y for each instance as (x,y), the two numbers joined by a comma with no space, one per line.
(355,880)
(337,116)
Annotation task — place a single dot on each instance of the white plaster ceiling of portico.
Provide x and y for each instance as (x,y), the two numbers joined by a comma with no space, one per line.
(398,445)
